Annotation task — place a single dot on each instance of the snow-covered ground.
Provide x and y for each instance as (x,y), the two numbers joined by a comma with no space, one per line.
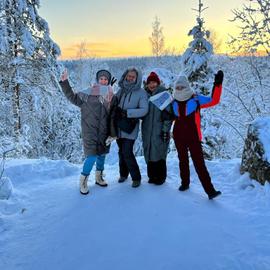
(47,224)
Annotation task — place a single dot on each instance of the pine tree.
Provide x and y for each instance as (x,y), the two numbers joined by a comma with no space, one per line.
(196,57)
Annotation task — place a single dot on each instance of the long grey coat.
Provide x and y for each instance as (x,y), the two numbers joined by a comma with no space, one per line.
(152,126)
(95,120)
(135,101)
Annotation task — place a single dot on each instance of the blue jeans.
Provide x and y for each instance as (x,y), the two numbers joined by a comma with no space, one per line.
(90,161)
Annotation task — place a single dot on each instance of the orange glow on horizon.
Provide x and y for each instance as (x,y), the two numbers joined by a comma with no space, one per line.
(137,47)
(115,49)
(110,32)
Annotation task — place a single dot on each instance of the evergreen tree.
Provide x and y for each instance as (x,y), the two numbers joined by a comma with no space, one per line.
(196,57)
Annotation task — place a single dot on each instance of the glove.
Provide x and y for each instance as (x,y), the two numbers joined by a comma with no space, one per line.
(109,140)
(113,81)
(219,78)
(165,136)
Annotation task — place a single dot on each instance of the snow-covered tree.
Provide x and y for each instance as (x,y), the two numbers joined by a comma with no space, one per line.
(254,23)
(24,34)
(28,61)
(196,57)
(83,69)
(157,38)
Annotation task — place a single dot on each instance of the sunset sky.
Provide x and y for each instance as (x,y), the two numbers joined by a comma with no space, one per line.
(122,28)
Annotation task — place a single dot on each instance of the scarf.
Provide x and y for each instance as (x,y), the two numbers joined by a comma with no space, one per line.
(104,92)
(186,92)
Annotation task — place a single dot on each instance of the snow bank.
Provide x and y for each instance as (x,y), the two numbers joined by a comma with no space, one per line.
(23,171)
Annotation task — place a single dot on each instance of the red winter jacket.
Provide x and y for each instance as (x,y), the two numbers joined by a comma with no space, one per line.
(196,103)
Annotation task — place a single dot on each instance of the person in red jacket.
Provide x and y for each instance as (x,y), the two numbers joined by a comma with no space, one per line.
(187,130)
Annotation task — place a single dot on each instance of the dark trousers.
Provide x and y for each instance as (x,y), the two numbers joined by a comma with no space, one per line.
(157,171)
(127,161)
(195,149)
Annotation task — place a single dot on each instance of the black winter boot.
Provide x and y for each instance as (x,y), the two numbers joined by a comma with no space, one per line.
(136,184)
(122,179)
(183,188)
(214,195)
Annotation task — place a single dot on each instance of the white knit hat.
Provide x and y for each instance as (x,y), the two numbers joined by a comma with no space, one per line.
(186,92)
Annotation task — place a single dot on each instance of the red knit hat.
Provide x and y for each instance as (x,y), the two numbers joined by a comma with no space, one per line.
(153,77)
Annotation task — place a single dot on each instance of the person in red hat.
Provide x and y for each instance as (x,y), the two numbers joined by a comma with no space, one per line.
(155,135)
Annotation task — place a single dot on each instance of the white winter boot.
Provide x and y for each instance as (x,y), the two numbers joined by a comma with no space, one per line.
(100,180)
(83,184)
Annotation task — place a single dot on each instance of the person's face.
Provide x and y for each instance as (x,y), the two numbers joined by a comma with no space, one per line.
(152,86)
(131,77)
(180,87)
(103,80)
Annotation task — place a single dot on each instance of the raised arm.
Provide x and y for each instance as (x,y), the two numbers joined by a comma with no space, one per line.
(216,92)
(67,90)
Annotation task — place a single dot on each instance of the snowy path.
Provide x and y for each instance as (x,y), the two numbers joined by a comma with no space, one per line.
(152,227)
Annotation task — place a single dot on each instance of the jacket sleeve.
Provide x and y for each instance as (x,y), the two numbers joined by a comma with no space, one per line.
(112,118)
(167,117)
(168,114)
(142,110)
(166,127)
(216,94)
(74,98)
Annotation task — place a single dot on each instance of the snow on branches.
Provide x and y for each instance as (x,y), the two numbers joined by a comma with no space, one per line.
(254,23)
(196,57)
(24,33)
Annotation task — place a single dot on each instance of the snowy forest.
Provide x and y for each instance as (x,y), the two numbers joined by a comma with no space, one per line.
(38,122)
(40,134)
